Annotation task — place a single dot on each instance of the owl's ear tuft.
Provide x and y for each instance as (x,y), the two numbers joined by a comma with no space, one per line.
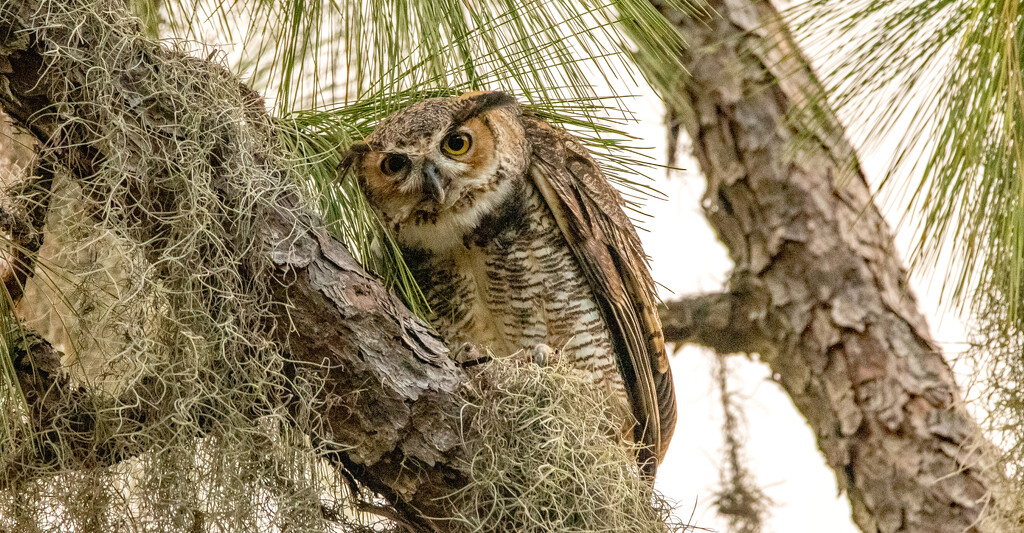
(476,102)
(351,156)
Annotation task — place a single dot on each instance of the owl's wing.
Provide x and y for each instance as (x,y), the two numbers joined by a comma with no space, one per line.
(590,214)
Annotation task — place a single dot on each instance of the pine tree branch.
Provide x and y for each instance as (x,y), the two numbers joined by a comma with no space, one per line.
(22,211)
(821,278)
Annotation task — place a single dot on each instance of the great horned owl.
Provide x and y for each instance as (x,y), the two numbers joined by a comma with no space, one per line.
(517,239)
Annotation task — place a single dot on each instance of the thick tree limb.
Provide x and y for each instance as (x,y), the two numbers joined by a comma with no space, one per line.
(817,270)
(395,409)
(395,401)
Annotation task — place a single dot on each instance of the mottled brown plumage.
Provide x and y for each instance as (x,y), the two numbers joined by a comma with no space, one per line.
(517,239)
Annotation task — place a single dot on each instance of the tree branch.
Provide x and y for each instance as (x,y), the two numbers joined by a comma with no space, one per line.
(723,322)
(819,275)
(72,425)
(22,211)
(402,437)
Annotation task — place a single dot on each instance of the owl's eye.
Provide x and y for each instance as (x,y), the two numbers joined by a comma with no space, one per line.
(393,163)
(456,143)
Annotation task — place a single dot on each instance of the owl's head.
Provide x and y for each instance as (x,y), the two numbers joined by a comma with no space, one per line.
(435,170)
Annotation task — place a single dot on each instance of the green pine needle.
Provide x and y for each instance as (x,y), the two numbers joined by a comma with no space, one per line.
(958,64)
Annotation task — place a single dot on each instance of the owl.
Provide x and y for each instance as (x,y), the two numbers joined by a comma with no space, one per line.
(518,240)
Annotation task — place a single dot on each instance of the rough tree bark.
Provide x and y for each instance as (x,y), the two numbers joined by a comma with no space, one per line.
(818,290)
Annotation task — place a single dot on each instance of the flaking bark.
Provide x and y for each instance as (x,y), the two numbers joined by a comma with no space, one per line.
(824,297)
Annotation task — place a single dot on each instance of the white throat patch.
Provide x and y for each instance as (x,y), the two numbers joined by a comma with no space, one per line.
(451,227)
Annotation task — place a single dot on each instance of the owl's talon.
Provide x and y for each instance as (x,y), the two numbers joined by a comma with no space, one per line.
(467,355)
(544,355)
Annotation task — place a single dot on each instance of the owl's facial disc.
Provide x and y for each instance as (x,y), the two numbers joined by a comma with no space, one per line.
(435,170)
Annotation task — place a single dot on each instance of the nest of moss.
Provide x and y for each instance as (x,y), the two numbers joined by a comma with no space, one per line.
(548,456)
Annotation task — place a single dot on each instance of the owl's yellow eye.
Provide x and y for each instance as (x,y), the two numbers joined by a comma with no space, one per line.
(456,143)
(393,163)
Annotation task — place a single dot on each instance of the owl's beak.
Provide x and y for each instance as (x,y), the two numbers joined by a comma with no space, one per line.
(432,186)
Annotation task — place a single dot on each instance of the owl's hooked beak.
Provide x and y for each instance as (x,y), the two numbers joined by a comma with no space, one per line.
(432,186)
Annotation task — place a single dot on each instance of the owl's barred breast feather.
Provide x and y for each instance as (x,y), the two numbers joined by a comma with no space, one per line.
(519,287)
(522,241)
